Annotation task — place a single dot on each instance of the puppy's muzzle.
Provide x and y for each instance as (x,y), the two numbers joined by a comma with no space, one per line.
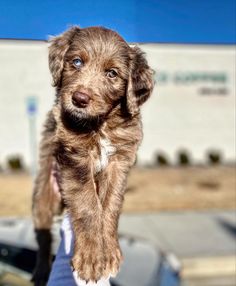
(80,99)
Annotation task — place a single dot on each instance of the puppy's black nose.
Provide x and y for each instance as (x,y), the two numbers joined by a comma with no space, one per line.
(80,99)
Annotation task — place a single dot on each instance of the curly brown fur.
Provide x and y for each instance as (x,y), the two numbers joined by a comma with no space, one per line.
(93,142)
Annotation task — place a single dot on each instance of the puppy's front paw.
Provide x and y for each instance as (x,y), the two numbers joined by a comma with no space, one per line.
(100,282)
(88,262)
(112,258)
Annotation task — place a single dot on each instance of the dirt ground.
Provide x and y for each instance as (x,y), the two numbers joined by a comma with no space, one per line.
(149,190)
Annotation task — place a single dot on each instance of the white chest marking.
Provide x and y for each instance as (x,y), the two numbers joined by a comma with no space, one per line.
(106,150)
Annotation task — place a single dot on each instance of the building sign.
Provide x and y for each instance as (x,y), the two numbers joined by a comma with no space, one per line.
(31,105)
(207,83)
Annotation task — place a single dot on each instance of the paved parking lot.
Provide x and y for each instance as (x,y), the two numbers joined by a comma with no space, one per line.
(201,245)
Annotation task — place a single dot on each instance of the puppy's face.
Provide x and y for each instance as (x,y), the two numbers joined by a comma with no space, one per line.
(95,73)
(94,69)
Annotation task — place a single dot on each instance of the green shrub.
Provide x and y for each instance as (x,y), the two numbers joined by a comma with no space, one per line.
(214,157)
(161,159)
(14,163)
(183,158)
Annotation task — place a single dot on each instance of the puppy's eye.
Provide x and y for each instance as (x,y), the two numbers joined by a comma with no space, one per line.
(77,62)
(111,73)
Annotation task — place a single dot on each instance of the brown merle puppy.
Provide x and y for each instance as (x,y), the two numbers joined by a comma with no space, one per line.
(91,135)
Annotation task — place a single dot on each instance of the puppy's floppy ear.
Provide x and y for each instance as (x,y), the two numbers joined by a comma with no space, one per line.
(140,83)
(57,50)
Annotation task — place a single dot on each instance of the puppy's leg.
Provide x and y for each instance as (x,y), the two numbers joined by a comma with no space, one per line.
(45,203)
(81,199)
(116,177)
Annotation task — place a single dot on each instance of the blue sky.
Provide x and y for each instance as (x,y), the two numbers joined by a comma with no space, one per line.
(173,21)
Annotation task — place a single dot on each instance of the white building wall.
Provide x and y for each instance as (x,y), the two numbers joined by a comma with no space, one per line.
(177,115)
(23,73)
